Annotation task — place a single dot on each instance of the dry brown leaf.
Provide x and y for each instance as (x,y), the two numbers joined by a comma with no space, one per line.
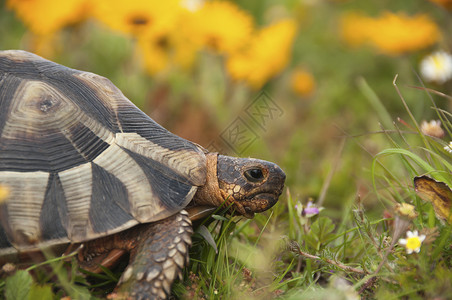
(436,192)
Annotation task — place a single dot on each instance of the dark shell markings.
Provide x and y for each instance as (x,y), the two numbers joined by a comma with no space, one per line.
(85,165)
(71,141)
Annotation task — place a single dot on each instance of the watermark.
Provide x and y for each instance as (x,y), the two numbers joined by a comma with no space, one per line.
(239,136)
(263,110)
(244,130)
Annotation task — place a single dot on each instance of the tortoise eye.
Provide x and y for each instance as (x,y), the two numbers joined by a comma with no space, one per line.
(254,175)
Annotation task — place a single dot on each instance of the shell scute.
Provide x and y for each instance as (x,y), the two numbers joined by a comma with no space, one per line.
(82,161)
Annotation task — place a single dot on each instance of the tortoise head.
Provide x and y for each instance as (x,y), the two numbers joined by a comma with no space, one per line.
(250,185)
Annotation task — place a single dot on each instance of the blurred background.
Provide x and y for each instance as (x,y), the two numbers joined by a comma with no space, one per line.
(302,83)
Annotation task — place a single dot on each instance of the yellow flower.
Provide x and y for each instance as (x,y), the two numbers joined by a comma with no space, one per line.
(391,33)
(394,34)
(406,210)
(164,52)
(413,242)
(266,55)
(139,18)
(155,54)
(355,28)
(302,82)
(221,26)
(45,17)
(175,49)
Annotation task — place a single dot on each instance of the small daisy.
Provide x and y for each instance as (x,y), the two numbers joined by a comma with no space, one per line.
(413,242)
(448,148)
(432,128)
(437,67)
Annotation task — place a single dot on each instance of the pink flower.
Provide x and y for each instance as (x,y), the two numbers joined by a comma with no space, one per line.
(310,210)
(307,211)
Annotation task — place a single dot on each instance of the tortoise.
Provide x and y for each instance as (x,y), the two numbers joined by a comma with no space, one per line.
(84,166)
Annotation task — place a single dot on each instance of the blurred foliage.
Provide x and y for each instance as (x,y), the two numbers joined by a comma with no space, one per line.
(346,136)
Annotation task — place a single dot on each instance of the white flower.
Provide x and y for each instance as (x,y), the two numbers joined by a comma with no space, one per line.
(448,148)
(437,67)
(432,128)
(192,5)
(413,242)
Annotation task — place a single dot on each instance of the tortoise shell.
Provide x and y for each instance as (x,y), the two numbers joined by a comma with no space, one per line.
(80,160)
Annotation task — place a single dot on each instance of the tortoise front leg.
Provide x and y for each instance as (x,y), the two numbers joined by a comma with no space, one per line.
(160,254)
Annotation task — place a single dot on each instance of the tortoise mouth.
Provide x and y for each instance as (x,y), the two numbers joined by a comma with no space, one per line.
(260,202)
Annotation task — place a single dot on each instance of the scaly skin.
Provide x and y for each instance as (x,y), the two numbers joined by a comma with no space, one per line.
(158,253)
(119,168)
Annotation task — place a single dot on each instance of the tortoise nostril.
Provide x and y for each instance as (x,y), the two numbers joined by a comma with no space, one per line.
(254,175)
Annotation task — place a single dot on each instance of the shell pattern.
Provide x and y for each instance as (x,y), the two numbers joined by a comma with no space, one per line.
(80,160)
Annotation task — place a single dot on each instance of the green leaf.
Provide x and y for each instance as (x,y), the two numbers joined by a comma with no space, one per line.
(38,292)
(205,233)
(321,233)
(18,286)
(80,292)
(219,218)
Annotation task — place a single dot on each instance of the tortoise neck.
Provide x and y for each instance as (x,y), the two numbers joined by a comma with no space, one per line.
(210,194)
